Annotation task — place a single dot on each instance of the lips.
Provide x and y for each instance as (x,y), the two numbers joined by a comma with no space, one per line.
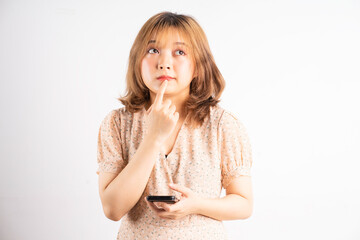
(165,77)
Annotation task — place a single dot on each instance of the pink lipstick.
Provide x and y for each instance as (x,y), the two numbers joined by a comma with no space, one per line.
(165,77)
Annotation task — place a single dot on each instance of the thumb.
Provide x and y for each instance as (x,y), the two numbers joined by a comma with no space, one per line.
(184,190)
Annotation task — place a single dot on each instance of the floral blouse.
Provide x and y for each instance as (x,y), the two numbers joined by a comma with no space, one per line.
(204,159)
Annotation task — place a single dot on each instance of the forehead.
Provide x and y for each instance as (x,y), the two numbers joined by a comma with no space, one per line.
(169,36)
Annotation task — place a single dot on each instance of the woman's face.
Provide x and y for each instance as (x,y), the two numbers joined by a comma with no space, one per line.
(168,56)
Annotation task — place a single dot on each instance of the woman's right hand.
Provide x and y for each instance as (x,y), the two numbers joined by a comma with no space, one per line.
(161,117)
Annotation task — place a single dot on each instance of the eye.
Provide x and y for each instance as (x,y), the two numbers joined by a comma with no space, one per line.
(153,50)
(179,52)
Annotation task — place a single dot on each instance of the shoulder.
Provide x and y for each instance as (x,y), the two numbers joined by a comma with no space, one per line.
(223,115)
(117,116)
(228,119)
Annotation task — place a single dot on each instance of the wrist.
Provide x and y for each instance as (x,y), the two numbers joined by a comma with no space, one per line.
(153,141)
(198,203)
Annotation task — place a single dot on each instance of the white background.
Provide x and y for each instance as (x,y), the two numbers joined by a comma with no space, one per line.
(293,79)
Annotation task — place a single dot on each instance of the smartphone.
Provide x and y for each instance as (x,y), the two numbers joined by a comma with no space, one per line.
(166,199)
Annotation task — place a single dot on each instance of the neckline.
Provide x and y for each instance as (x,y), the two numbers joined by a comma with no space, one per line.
(177,139)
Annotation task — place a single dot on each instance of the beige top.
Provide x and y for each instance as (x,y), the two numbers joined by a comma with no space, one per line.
(204,159)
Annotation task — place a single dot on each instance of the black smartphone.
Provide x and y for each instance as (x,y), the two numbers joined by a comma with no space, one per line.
(166,199)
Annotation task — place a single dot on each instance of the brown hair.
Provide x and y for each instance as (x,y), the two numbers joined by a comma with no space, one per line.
(205,88)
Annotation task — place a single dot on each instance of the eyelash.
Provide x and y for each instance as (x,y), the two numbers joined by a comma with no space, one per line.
(175,51)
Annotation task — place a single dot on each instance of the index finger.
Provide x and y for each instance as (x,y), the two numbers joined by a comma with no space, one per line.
(160,94)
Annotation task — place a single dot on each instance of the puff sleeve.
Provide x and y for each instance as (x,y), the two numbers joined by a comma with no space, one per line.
(109,150)
(234,147)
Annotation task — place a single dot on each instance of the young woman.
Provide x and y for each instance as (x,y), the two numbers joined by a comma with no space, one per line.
(172,138)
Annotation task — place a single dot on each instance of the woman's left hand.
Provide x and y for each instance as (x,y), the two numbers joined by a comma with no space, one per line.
(188,204)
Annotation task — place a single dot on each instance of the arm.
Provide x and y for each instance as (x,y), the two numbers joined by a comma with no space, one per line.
(120,192)
(237,204)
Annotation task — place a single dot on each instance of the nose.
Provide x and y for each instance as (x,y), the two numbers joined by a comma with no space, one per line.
(164,62)
(161,67)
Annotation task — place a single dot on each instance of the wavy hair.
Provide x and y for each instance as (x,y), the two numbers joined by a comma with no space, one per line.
(205,88)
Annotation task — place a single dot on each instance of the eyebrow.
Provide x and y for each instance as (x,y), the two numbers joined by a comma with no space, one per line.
(177,43)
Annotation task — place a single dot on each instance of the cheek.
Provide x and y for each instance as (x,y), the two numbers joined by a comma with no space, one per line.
(145,68)
(187,67)
(180,64)
(144,65)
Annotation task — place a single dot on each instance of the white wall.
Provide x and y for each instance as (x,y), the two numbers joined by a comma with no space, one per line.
(292,73)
